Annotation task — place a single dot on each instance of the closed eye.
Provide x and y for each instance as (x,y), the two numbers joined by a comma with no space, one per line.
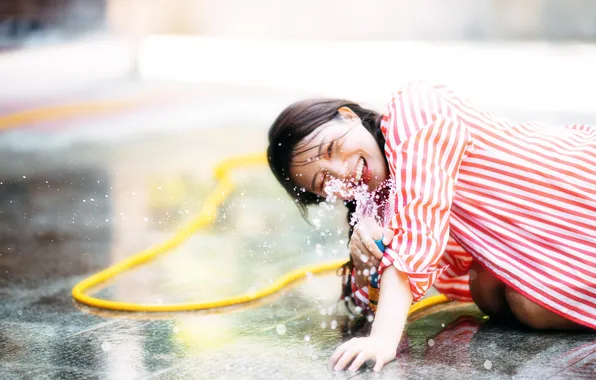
(330,149)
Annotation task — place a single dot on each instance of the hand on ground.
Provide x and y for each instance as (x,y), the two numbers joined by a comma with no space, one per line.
(359,351)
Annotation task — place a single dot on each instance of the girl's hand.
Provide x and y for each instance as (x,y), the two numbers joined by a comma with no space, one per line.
(363,249)
(360,350)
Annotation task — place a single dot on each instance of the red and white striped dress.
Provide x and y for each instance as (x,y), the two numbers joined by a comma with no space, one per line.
(519,198)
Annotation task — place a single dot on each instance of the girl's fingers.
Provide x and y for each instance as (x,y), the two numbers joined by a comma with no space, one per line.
(359,252)
(388,236)
(375,262)
(367,242)
(339,351)
(358,362)
(364,256)
(372,248)
(378,365)
(345,359)
(364,250)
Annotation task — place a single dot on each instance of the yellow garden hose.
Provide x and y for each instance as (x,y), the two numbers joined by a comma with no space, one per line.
(206,217)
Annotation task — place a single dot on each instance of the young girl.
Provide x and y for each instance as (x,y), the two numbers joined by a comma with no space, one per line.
(483,209)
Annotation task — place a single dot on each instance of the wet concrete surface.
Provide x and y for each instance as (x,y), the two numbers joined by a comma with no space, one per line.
(69,211)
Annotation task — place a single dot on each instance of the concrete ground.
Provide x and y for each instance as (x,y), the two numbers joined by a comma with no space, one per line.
(79,193)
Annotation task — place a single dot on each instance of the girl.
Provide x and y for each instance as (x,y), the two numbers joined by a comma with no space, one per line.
(485,210)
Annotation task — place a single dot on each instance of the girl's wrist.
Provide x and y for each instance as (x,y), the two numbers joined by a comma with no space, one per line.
(385,340)
(387,333)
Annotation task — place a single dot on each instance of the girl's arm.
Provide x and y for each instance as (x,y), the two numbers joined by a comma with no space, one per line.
(381,346)
(394,302)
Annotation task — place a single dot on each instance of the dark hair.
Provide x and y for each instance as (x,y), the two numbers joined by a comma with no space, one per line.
(292,125)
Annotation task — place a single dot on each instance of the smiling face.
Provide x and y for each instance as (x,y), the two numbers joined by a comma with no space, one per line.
(340,149)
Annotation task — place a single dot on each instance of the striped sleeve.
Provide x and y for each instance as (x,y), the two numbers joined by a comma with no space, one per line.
(454,282)
(425,146)
(359,294)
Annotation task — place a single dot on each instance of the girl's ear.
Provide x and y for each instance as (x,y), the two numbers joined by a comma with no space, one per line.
(347,114)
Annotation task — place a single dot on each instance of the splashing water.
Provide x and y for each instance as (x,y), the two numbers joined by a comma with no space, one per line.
(368,203)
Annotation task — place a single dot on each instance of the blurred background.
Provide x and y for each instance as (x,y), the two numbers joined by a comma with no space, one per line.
(531,54)
(113,114)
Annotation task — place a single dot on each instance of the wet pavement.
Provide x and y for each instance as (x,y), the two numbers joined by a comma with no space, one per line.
(72,203)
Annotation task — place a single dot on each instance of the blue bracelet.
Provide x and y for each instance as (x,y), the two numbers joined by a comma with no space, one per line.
(374,278)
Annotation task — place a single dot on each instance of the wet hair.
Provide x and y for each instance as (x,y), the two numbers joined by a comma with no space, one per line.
(288,131)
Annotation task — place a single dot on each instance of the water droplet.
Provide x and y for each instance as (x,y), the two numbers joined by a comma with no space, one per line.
(442,325)
(281,329)
(333,324)
(307,338)
(24,176)
(488,364)
(370,318)
(106,346)
(20,312)
(323,324)
(431,342)
(473,274)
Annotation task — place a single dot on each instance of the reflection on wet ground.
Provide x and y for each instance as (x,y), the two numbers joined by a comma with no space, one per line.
(69,212)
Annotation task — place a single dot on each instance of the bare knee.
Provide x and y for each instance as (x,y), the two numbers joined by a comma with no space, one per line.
(535,316)
(526,311)
(487,292)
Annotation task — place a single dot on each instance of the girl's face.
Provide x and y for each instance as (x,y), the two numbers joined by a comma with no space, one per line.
(340,149)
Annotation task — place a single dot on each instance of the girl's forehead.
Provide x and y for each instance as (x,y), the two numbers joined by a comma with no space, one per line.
(314,139)
(305,160)
(308,146)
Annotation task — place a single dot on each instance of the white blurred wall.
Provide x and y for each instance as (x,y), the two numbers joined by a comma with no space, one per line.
(359,19)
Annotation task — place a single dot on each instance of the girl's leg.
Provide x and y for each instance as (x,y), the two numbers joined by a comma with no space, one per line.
(503,303)
(488,293)
(533,315)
